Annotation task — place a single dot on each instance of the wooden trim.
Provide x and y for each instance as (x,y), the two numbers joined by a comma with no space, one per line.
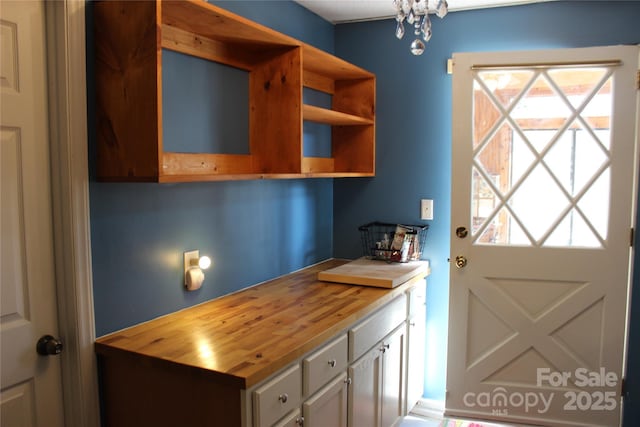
(70,189)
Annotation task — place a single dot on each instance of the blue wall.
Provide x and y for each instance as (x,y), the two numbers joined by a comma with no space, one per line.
(256,230)
(414,123)
(252,230)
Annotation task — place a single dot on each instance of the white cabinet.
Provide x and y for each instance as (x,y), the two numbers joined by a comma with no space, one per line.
(312,392)
(416,332)
(377,383)
(363,377)
(328,407)
(364,391)
(366,334)
(393,376)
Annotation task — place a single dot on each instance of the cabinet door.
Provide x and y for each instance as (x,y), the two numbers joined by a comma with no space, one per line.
(416,330)
(393,372)
(292,420)
(364,391)
(328,407)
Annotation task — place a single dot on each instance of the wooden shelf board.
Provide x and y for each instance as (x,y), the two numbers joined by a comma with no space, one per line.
(318,165)
(249,177)
(242,57)
(199,164)
(339,175)
(330,117)
(323,63)
(218,24)
(318,82)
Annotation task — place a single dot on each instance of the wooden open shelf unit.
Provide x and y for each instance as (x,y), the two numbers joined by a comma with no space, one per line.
(130,37)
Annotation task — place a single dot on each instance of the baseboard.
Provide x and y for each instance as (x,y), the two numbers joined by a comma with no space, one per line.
(429,408)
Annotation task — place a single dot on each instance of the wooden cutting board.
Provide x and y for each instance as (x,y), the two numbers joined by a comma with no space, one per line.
(380,274)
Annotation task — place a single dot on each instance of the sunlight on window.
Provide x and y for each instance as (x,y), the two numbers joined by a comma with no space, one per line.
(541,143)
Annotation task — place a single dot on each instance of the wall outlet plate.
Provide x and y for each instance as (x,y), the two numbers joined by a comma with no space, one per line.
(426,209)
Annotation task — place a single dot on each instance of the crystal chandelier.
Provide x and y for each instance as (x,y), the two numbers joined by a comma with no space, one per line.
(416,13)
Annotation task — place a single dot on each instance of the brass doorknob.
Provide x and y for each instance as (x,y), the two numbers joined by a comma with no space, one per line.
(461,261)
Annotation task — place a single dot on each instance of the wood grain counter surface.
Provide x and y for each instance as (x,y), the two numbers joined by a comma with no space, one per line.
(242,338)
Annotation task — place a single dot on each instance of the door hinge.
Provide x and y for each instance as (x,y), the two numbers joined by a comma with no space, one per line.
(623,387)
(631,236)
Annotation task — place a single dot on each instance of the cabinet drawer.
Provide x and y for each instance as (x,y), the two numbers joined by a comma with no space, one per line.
(380,324)
(324,364)
(277,397)
(417,297)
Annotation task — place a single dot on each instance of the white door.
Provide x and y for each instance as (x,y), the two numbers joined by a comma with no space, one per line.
(544,158)
(31,392)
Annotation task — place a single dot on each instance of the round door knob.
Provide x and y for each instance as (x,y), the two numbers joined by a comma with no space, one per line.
(461,261)
(49,346)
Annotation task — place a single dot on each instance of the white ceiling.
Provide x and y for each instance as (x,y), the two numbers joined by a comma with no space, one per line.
(337,11)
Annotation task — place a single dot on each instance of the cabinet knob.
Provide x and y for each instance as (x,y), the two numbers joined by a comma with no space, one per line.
(384,347)
(332,363)
(300,421)
(347,381)
(283,398)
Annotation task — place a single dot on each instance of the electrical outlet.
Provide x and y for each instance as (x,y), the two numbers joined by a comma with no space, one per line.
(191,259)
(426,209)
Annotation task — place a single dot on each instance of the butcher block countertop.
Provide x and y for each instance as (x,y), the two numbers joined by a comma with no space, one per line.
(364,271)
(242,338)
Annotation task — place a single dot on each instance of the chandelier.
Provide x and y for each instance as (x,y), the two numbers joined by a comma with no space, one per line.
(416,13)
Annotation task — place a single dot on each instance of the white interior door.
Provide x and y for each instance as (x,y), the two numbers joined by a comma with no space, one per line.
(544,173)
(31,392)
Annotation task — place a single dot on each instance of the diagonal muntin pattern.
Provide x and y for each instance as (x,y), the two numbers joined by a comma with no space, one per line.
(539,156)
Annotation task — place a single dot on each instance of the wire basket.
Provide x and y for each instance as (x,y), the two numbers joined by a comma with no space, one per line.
(393,242)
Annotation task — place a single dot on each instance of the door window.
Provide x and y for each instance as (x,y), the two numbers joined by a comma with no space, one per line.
(541,159)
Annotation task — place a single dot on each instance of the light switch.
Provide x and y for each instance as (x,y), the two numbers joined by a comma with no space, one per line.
(426,209)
